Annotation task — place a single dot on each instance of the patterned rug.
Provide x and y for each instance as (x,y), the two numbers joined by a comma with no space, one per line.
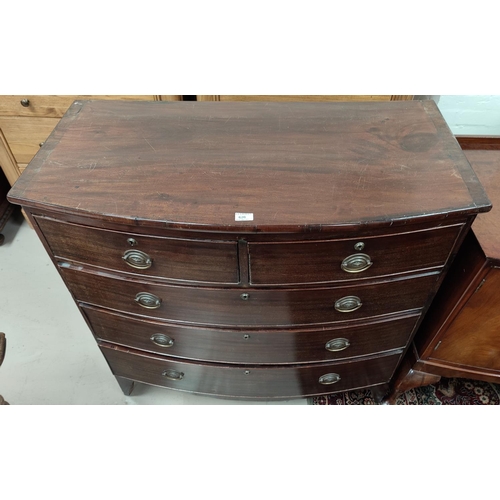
(452,391)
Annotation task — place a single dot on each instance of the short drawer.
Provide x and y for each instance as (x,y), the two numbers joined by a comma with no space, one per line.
(342,260)
(248,307)
(248,381)
(254,347)
(158,257)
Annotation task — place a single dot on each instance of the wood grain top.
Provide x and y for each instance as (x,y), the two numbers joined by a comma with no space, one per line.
(294,166)
(486,227)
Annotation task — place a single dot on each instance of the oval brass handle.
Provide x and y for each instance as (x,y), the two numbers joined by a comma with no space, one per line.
(137,259)
(25,103)
(356,263)
(148,300)
(162,340)
(336,345)
(173,374)
(348,304)
(329,378)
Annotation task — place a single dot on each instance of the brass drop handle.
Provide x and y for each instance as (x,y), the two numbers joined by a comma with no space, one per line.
(348,304)
(356,263)
(137,259)
(148,300)
(162,340)
(336,345)
(25,103)
(173,374)
(329,378)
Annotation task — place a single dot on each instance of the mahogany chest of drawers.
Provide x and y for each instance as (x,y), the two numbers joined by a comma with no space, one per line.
(252,250)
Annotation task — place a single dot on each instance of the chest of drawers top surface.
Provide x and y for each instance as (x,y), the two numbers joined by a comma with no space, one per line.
(294,166)
(486,163)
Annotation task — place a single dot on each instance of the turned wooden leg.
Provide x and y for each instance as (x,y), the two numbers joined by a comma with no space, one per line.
(126,385)
(411,380)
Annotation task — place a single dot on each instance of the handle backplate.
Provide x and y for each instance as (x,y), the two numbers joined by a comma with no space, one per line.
(329,378)
(162,340)
(336,345)
(356,263)
(348,304)
(148,300)
(137,259)
(173,374)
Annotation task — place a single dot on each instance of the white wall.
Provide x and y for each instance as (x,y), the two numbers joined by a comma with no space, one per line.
(471,114)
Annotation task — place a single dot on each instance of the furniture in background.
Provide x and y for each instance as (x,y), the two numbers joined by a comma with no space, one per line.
(3,343)
(460,335)
(252,250)
(27,120)
(303,98)
(6,208)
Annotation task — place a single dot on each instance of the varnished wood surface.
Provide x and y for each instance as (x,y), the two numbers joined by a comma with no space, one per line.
(271,308)
(484,142)
(193,165)
(251,346)
(463,278)
(172,258)
(473,339)
(248,381)
(459,335)
(303,98)
(320,261)
(486,164)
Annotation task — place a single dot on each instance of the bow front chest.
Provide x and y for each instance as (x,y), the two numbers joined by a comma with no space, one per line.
(252,250)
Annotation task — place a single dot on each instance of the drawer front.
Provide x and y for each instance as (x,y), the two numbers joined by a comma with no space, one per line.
(249,382)
(323,261)
(49,106)
(254,347)
(246,307)
(169,258)
(24,136)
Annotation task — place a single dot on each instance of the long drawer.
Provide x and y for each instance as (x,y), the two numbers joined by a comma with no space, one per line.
(261,346)
(249,307)
(168,258)
(250,382)
(347,259)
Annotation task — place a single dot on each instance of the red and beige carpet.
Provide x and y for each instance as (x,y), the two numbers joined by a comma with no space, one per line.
(453,391)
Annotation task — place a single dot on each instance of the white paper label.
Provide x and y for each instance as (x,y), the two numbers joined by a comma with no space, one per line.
(243,216)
